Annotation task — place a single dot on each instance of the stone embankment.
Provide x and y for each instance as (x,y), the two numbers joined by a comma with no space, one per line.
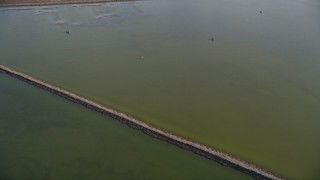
(207,152)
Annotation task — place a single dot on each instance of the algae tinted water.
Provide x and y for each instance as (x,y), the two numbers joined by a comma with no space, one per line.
(253,92)
(43,136)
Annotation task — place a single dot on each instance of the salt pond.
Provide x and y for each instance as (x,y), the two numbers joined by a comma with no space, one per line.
(43,136)
(253,92)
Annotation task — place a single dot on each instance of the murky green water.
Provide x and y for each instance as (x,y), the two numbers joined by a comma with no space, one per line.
(253,92)
(43,136)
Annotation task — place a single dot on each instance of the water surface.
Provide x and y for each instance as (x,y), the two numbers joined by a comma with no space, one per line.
(253,92)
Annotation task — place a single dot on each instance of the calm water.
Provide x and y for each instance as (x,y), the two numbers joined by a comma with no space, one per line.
(253,92)
(43,136)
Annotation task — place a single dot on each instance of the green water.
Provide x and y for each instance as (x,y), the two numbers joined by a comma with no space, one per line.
(43,136)
(254,92)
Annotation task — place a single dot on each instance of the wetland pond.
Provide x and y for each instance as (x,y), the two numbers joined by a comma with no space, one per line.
(219,72)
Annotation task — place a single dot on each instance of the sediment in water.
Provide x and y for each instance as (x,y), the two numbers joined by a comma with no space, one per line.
(209,153)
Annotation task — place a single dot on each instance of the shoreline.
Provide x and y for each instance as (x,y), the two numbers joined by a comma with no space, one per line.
(17,3)
(202,150)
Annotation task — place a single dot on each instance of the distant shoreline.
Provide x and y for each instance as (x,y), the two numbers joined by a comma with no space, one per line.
(15,3)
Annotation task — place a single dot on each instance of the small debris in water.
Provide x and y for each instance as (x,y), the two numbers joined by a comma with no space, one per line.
(260,12)
(212,39)
(67,32)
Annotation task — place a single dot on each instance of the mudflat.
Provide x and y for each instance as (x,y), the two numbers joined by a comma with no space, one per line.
(50,2)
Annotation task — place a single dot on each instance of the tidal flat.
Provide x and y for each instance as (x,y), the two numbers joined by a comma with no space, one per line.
(253,92)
